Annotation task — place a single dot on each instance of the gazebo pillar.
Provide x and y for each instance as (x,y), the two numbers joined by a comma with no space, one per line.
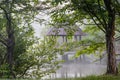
(75,37)
(79,37)
(66,38)
(63,38)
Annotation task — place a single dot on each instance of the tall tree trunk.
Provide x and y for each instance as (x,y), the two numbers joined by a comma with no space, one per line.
(110,44)
(10,46)
(111,61)
(10,42)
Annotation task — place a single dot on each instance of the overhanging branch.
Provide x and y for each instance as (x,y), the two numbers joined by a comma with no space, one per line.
(92,15)
(99,5)
(3,42)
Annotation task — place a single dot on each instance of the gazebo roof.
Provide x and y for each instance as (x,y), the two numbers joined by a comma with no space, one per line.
(79,32)
(61,32)
(56,32)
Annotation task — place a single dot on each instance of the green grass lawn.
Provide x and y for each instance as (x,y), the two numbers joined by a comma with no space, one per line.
(105,77)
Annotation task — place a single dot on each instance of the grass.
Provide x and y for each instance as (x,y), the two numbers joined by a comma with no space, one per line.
(102,77)
(105,77)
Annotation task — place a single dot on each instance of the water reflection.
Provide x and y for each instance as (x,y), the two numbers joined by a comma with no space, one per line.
(82,66)
(79,70)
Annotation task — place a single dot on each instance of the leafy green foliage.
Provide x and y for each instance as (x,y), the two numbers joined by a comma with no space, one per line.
(43,58)
(91,49)
(31,58)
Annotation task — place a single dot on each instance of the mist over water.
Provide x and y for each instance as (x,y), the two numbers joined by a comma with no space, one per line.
(81,67)
(80,70)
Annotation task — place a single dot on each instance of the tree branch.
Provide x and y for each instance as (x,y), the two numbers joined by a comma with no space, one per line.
(92,14)
(26,70)
(119,6)
(99,5)
(3,42)
(88,23)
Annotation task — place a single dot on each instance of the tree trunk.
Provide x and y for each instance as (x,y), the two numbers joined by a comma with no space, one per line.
(110,44)
(10,43)
(110,40)
(10,51)
(111,63)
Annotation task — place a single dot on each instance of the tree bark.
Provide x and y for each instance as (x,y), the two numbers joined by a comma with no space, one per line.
(110,40)
(10,42)
(111,58)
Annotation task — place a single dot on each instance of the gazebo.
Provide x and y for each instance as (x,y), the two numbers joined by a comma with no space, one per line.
(62,33)
(78,34)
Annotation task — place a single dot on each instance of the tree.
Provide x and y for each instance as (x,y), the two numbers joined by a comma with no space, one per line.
(102,13)
(44,59)
(10,10)
(32,57)
(22,55)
